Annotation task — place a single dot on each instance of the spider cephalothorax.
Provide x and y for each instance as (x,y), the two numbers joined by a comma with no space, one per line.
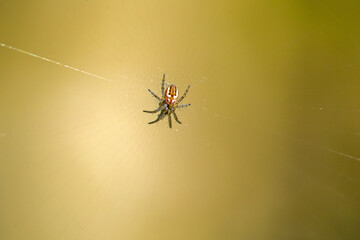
(168,103)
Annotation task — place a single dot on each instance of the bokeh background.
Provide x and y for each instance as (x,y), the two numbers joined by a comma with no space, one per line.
(269,148)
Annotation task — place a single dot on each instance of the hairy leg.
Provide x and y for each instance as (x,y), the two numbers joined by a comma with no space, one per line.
(154,95)
(184,95)
(163,85)
(161,116)
(176,118)
(170,124)
(185,105)
(155,111)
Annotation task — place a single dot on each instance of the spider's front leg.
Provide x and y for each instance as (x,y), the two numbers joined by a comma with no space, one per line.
(185,105)
(155,111)
(162,105)
(169,116)
(176,118)
(161,116)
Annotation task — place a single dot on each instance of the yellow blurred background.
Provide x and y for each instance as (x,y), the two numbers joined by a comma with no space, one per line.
(268,149)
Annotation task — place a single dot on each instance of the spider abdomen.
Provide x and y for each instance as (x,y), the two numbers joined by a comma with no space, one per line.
(171,94)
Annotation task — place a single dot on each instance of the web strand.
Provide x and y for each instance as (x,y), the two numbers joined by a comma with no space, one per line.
(53,61)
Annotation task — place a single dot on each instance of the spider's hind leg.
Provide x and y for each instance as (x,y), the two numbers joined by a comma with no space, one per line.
(163,85)
(184,95)
(154,95)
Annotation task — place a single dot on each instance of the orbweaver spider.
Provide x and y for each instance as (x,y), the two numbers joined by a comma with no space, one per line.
(168,103)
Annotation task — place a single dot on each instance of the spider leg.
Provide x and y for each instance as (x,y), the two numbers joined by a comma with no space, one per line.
(170,124)
(155,111)
(154,95)
(163,85)
(184,95)
(161,116)
(176,117)
(185,105)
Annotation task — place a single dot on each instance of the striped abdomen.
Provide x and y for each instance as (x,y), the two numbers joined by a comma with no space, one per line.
(171,94)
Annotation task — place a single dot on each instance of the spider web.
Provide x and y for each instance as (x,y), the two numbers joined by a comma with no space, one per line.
(256,151)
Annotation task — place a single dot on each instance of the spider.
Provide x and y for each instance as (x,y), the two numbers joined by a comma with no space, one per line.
(168,103)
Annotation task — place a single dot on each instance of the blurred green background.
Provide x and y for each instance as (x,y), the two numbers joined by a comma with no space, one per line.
(269,148)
